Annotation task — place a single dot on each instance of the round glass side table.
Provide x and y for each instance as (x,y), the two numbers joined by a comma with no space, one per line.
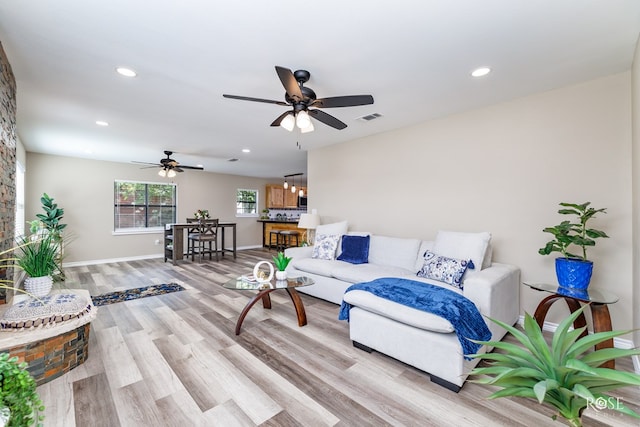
(597,300)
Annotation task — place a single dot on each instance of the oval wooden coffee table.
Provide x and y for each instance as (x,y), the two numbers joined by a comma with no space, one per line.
(264,289)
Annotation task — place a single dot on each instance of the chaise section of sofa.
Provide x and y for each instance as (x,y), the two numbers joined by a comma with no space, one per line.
(418,338)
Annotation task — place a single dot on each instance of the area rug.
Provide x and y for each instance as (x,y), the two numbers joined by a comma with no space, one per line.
(129,294)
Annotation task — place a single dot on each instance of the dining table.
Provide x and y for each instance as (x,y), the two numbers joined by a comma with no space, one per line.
(178,232)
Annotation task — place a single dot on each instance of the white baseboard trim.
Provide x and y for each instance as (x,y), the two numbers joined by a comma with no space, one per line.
(133,258)
(617,342)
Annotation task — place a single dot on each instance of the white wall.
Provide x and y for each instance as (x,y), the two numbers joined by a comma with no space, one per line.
(636,193)
(503,169)
(84,188)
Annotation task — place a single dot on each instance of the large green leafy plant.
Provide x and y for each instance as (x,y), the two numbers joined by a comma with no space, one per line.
(565,375)
(40,257)
(18,393)
(576,233)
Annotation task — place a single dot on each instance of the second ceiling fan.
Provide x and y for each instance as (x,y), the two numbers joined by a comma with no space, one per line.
(303,99)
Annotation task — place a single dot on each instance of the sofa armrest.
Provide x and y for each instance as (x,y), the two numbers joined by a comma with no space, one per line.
(299,252)
(496,293)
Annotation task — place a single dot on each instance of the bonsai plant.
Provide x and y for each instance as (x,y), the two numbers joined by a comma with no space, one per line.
(281,262)
(573,269)
(18,393)
(565,375)
(39,260)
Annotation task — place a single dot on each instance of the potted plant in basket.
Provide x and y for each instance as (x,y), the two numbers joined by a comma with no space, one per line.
(39,260)
(281,262)
(573,270)
(20,404)
(565,375)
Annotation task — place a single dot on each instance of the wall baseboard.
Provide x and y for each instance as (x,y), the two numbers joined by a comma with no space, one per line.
(133,258)
(617,342)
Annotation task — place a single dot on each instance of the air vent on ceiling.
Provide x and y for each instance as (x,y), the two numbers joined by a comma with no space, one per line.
(369,117)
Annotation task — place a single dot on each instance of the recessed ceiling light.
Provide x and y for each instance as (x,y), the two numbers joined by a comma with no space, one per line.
(246,150)
(482,71)
(127,72)
(101,123)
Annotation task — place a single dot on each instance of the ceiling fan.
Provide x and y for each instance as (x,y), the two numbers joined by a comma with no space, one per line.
(169,167)
(302,99)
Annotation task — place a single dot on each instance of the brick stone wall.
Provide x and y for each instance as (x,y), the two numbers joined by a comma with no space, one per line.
(8,142)
(55,356)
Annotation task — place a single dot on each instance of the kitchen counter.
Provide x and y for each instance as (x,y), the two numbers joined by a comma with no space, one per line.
(269,225)
(282,221)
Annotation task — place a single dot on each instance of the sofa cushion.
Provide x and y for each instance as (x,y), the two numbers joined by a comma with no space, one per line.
(460,245)
(398,312)
(356,273)
(355,249)
(425,245)
(338,228)
(325,246)
(394,251)
(321,267)
(443,269)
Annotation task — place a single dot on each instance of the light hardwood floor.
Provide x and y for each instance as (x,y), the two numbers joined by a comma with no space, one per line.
(174,360)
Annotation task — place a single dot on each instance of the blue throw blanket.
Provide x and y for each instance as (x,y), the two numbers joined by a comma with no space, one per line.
(460,311)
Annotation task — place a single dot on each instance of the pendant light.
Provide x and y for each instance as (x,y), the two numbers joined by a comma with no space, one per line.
(293,187)
(286,184)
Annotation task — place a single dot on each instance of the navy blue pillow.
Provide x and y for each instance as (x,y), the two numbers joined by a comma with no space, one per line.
(355,249)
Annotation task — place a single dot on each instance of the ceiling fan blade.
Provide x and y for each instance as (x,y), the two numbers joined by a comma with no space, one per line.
(247,98)
(327,119)
(177,169)
(290,83)
(343,101)
(144,163)
(277,121)
(198,168)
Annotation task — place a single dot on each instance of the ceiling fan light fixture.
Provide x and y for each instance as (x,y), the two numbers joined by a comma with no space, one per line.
(308,128)
(162,173)
(288,122)
(171,173)
(302,119)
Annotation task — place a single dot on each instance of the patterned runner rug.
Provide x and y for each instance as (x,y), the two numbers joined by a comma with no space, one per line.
(129,294)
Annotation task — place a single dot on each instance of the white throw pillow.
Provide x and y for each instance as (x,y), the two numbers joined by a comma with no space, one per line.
(460,245)
(325,246)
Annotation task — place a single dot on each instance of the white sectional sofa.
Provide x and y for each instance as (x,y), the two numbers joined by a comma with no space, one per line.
(418,338)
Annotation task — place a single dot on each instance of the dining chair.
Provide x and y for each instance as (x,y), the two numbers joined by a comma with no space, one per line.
(207,234)
(192,232)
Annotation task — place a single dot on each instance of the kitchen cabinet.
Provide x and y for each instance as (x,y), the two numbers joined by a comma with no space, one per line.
(275,196)
(278,197)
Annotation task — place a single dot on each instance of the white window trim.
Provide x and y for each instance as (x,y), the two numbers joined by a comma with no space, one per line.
(246,215)
(149,230)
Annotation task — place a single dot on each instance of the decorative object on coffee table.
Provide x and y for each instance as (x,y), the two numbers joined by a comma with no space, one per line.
(573,270)
(281,262)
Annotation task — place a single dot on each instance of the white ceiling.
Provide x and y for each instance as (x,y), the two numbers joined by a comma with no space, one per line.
(414,57)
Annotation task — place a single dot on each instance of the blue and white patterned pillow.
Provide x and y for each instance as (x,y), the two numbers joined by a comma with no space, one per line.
(444,269)
(325,246)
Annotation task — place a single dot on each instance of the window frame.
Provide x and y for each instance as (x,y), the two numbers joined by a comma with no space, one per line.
(146,205)
(247,215)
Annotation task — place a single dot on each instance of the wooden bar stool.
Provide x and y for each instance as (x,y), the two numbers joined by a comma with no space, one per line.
(277,234)
(287,238)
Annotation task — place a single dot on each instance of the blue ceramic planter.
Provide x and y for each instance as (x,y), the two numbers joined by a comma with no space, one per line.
(573,273)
